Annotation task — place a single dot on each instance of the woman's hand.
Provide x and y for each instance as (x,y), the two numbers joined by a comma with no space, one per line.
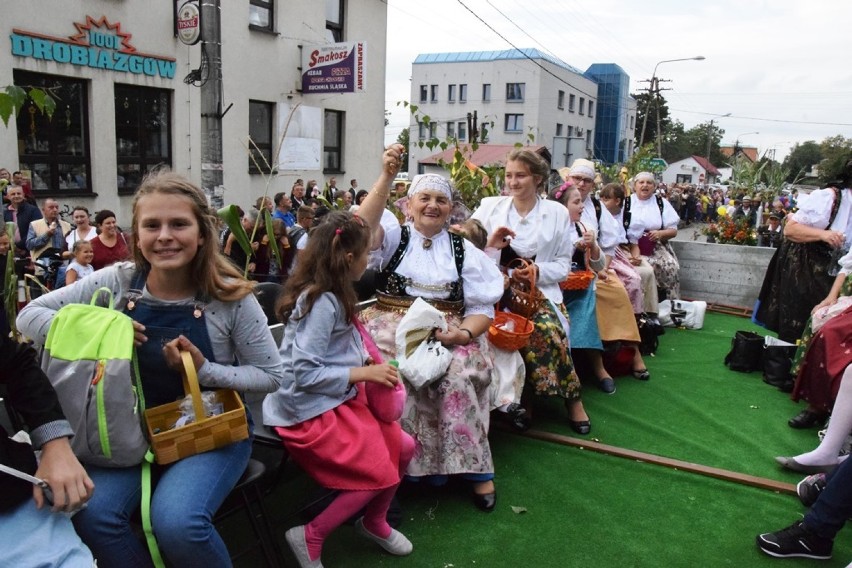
(392,159)
(172,349)
(635,260)
(500,238)
(828,301)
(453,336)
(588,241)
(834,239)
(603,275)
(139,336)
(384,374)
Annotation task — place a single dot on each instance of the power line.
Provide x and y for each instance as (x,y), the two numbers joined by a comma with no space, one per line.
(770,119)
(522,52)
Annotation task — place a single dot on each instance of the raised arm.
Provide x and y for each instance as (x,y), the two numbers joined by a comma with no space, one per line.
(376,200)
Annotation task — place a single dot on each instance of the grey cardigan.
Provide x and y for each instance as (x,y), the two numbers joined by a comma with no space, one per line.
(319,349)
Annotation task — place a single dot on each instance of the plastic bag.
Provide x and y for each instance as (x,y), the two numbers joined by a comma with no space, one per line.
(422,359)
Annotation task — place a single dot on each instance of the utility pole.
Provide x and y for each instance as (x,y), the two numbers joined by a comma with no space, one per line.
(211,103)
(659,124)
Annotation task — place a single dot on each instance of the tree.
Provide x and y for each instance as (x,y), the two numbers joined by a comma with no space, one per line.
(13,97)
(801,158)
(645,104)
(836,152)
(403,139)
(679,143)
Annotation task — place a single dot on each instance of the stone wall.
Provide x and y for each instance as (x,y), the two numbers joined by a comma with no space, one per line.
(724,274)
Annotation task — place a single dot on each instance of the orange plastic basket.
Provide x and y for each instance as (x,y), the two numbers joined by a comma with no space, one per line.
(510,340)
(578,280)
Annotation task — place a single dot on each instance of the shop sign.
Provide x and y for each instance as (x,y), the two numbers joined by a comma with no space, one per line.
(189,22)
(98,44)
(334,68)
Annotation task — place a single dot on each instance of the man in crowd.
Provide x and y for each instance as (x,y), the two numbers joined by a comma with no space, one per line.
(331,190)
(746,211)
(283,206)
(48,232)
(22,214)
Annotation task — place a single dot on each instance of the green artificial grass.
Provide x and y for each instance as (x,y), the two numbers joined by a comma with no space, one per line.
(564,506)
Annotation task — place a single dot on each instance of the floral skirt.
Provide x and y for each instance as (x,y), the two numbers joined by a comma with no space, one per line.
(821,370)
(666,269)
(448,418)
(550,369)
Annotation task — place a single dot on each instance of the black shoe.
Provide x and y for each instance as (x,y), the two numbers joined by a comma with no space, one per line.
(795,541)
(517,416)
(607,385)
(810,487)
(485,502)
(581,427)
(806,419)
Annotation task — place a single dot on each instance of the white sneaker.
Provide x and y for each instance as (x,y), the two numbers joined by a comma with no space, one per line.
(396,543)
(296,539)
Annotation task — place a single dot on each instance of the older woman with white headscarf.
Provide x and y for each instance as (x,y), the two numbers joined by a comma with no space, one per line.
(651,222)
(448,418)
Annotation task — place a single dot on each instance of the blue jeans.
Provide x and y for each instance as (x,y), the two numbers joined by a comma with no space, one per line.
(834,506)
(41,539)
(186,496)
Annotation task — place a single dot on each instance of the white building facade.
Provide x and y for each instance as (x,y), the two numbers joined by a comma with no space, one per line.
(129,98)
(521,96)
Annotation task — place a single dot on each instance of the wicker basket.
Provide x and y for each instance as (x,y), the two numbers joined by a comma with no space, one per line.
(577,280)
(206,433)
(510,340)
(524,298)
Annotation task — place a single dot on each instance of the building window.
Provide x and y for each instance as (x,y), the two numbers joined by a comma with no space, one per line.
(631,122)
(451,93)
(260,131)
(142,133)
(486,92)
(560,100)
(582,105)
(571,99)
(451,129)
(589,139)
(462,130)
(515,92)
(421,130)
(514,123)
(463,93)
(424,93)
(591,108)
(334,21)
(558,129)
(333,141)
(55,152)
(569,132)
(432,128)
(261,14)
(433,91)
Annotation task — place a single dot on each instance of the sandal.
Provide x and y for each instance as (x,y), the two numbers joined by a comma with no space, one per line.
(641,374)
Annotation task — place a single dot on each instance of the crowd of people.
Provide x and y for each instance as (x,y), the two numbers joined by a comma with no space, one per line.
(344,412)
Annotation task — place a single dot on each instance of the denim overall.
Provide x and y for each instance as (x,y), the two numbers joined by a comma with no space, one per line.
(188,492)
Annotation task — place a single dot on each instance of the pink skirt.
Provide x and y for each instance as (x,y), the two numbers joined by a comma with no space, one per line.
(346,447)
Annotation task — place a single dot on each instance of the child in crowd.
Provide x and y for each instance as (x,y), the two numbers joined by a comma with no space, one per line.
(81,266)
(183,295)
(334,410)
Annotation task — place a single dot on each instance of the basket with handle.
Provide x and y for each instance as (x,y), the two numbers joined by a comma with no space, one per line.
(206,433)
(510,336)
(579,279)
(523,297)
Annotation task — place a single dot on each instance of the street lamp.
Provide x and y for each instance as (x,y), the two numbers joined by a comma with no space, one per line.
(710,132)
(654,87)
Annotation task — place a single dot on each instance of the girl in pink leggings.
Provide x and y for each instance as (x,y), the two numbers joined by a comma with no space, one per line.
(337,407)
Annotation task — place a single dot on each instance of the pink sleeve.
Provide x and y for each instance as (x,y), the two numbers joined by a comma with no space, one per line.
(386,403)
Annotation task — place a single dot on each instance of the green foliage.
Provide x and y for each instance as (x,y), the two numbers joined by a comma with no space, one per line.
(404,139)
(679,143)
(836,152)
(645,104)
(802,158)
(12,100)
(10,285)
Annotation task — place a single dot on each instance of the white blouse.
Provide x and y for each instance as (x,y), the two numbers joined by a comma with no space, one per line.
(71,237)
(815,211)
(608,230)
(645,216)
(427,268)
(527,229)
(845,263)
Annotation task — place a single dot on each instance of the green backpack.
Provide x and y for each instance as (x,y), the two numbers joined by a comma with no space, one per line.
(90,359)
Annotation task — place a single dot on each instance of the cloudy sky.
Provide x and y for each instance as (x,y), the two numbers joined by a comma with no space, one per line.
(780,67)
